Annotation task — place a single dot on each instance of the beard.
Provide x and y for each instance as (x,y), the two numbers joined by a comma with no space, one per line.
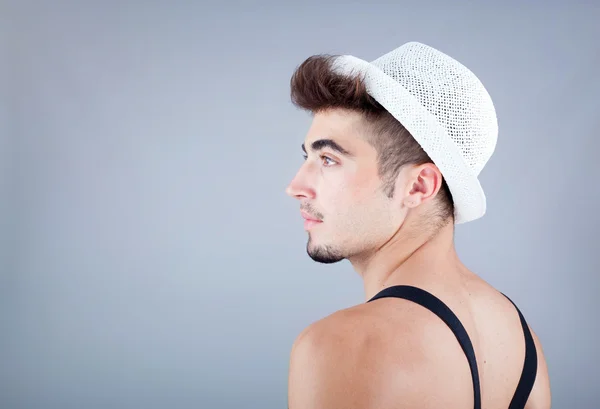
(323,254)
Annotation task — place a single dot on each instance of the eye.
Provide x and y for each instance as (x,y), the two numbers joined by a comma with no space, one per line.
(326,159)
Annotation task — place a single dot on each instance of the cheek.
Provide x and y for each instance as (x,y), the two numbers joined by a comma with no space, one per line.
(371,209)
(363,193)
(361,208)
(344,195)
(351,195)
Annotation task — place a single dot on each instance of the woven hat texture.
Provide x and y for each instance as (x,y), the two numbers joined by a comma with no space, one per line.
(446,109)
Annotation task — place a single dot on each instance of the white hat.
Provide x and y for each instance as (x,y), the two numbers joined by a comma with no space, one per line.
(446,109)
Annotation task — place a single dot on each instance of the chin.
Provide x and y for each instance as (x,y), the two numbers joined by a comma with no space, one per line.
(323,254)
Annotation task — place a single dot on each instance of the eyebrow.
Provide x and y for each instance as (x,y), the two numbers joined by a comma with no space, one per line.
(329,143)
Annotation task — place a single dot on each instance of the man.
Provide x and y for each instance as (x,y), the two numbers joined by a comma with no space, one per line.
(391,165)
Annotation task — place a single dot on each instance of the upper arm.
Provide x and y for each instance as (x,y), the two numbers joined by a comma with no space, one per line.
(338,366)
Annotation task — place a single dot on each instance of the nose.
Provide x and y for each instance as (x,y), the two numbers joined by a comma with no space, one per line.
(299,187)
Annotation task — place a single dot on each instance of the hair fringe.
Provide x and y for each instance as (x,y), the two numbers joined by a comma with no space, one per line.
(316,87)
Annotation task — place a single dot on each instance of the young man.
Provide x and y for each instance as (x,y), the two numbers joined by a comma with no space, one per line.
(392,160)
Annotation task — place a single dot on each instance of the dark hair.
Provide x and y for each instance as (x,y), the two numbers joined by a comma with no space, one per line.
(316,87)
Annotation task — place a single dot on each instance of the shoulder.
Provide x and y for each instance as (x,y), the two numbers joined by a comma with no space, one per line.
(358,358)
(347,335)
(541,393)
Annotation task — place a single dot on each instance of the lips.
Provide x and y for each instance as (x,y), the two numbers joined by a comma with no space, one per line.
(308,217)
(309,221)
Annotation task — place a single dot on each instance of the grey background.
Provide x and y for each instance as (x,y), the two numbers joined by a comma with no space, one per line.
(150,258)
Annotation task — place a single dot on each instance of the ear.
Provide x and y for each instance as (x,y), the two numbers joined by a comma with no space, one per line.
(424,182)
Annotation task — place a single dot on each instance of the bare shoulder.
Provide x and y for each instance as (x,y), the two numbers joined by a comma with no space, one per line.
(541,395)
(495,314)
(366,357)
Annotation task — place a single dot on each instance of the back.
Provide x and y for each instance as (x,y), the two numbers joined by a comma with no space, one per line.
(493,327)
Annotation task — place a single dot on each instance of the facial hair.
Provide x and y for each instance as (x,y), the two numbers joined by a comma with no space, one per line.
(323,254)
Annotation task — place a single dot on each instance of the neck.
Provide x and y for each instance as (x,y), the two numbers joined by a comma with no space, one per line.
(407,259)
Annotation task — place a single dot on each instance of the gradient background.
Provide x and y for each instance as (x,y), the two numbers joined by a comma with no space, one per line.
(150,257)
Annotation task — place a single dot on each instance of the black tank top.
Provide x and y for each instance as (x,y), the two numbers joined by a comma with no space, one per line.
(436,306)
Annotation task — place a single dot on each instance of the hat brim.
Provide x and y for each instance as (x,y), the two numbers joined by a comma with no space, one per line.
(467,192)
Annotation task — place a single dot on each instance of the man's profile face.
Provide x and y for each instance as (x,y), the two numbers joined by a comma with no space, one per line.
(339,186)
